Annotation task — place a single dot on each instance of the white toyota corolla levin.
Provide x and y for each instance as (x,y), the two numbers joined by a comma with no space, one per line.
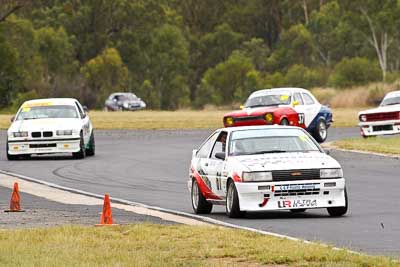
(46,126)
(261,168)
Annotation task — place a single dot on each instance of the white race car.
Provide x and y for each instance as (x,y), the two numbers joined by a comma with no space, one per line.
(261,168)
(54,125)
(382,120)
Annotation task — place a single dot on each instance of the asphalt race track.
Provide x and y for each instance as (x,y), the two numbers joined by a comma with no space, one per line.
(151,167)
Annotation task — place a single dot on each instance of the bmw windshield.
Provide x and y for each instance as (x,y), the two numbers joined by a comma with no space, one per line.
(268,99)
(391,101)
(264,141)
(47,112)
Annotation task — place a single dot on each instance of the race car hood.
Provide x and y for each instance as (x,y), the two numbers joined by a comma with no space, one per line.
(45,124)
(284,161)
(381,109)
(251,112)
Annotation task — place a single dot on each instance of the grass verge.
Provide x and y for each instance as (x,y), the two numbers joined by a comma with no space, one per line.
(155,245)
(386,144)
(181,119)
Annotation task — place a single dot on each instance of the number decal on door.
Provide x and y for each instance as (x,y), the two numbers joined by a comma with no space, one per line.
(301,118)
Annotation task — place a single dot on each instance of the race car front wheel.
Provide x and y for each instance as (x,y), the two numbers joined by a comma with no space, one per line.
(91,150)
(199,203)
(82,151)
(232,202)
(321,132)
(339,211)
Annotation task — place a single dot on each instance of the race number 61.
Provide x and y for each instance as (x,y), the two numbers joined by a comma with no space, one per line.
(301,118)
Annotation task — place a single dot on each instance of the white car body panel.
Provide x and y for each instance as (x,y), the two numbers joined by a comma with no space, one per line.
(253,194)
(49,144)
(385,125)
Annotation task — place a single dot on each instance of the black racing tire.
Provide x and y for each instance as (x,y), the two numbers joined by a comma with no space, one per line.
(321,131)
(339,211)
(91,150)
(232,202)
(298,210)
(284,122)
(82,151)
(199,203)
(9,156)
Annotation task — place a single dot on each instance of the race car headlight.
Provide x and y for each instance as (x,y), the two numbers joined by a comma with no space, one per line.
(331,173)
(269,117)
(257,176)
(20,134)
(363,117)
(229,121)
(64,132)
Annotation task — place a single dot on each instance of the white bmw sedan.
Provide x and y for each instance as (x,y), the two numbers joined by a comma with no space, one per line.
(46,126)
(262,168)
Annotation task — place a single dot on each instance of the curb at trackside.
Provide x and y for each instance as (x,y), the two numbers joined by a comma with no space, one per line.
(169,211)
(329,145)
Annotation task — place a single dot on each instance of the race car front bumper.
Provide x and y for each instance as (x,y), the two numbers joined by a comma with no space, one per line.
(374,128)
(304,194)
(47,146)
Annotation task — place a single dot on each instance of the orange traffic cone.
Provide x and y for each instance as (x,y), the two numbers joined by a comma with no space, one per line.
(15,199)
(106,215)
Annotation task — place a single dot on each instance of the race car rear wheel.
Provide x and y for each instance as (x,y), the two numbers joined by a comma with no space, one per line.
(339,211)
(91,150)
(232,202)
(321,132)
(199,203)
(82,151)
(284,122)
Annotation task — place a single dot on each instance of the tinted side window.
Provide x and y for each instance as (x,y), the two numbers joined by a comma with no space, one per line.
(220,144)
(204,150)
(307,99)
(79,109)
(297,97)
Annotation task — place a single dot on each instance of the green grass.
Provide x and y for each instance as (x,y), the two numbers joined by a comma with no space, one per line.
(181,119)
(156,245)
(387,144)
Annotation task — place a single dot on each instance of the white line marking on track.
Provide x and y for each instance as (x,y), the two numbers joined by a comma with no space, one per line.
(331,146)
(46,190)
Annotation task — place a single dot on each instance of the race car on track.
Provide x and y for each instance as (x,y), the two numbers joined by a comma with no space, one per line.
(382,120)
(263,168)
(46,126)
(124,101)
(284,106)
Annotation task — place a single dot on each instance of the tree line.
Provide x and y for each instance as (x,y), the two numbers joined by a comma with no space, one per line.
(189,53)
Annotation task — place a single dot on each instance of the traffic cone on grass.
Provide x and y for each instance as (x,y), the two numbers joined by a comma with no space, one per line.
(15,205)
(106,215)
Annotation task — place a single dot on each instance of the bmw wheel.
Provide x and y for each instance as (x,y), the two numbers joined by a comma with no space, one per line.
(321,132)
(339,211)
(91,149)
(199,203)
(232,202)
(82,151)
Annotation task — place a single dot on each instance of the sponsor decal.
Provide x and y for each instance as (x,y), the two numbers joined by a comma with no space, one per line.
(301,118)
(265,201)
(297,203)
(288,187)
(37,104)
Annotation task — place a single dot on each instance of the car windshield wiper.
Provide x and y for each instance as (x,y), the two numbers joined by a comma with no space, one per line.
(269,151)
(390,104)
(29,118)
(256,106)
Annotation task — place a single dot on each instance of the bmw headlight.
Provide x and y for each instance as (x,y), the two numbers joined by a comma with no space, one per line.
(20,134)
(331,173)
(363,117)
(229,121)
(269,117)
(257,176)
(64,132)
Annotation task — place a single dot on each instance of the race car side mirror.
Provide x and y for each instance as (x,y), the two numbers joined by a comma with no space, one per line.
(328,152)
(12,118)
(295,103)
(220,155)
(85,108)
(194,152)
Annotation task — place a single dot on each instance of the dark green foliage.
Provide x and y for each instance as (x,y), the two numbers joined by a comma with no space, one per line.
(183,53)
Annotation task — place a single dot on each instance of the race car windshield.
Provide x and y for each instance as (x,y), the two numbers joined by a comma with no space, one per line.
(266,141)
(126,97)
(47,112)
(391,101)
(268,100)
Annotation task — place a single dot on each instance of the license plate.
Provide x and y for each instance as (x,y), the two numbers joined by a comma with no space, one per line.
(297,203)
